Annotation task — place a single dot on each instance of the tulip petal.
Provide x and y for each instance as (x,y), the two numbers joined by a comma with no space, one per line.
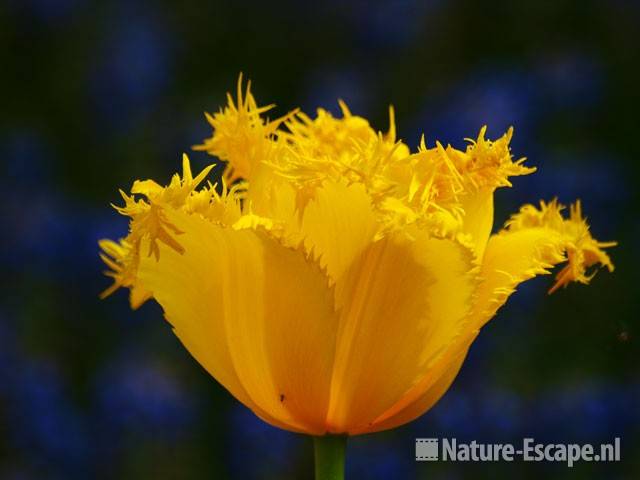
(427,392)
(338,224)
(402,303)
(257,315)
(478,217)
(533,241)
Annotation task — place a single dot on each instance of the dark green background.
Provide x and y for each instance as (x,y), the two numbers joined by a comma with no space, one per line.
(97,94)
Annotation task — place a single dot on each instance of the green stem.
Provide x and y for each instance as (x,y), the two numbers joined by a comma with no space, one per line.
(329,453)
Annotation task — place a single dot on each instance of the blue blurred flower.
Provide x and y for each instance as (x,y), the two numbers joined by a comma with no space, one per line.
(51,12)
(569,80)
(43,421)
(48,232)
(589,412)
(500,414)
(134,67)
(326,87)
(135,395)
(256,450)
(375,459)
(8,352)
(51,236)
(384,25)
(27,160)
(454,415)
(595,178)
(499,99)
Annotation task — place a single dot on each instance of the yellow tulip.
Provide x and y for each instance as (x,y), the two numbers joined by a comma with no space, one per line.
(334,280)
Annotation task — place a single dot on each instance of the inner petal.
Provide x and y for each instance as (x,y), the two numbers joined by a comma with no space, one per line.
(401,303)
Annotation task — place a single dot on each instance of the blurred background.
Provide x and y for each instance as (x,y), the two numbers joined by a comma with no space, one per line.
(97,94)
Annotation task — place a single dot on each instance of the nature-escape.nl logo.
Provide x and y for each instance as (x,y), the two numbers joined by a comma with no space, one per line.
(450,450)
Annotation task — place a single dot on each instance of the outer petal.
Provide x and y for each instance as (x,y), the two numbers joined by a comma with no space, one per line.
(402,303)
(533,242)
(258,316)
(428,391)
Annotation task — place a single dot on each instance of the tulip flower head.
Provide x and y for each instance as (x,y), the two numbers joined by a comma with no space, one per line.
(333,280)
